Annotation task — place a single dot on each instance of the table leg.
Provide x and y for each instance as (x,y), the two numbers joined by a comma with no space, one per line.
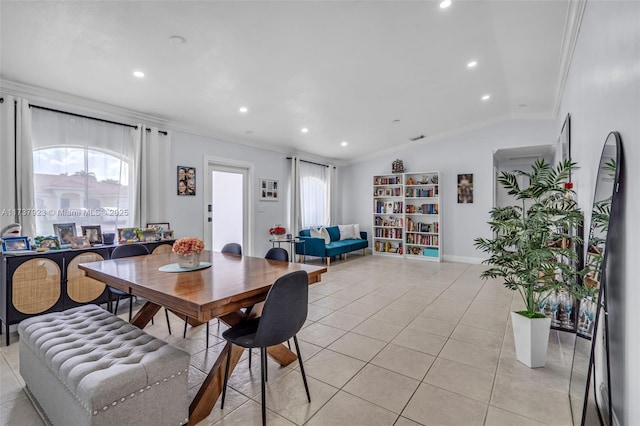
(144,315)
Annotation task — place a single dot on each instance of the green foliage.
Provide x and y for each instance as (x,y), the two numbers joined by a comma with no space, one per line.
(532,247)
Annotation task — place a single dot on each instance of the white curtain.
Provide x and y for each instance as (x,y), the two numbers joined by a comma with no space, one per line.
(153,176)
(83,164)
(16,164)
(294,197)
(315,195)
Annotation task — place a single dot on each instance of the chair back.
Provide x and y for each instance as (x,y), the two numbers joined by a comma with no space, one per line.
(129,250)
(285,310)
(277,253)
(232,248)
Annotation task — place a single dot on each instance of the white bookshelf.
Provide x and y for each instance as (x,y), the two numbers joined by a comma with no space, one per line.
(406,215)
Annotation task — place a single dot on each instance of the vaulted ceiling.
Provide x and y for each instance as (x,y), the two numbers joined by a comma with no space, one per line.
(374,74)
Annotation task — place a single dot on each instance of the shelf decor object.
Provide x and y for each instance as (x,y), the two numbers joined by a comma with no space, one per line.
(406,215)
(525,253)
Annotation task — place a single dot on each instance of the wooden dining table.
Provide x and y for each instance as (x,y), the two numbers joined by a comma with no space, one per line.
(221,290)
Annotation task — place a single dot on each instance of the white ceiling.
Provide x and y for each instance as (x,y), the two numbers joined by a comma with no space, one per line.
(343,69)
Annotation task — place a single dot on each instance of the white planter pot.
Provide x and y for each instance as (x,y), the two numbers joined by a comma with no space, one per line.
(531,338)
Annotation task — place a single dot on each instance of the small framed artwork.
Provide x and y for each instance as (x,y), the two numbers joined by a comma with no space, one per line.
(93,234)
(186,180)
(380,192)
(167,235)
(127,235)
(15,244)
(80,241)
(50,242)
(65,232)
(465,189)
(269,189)
(159,225)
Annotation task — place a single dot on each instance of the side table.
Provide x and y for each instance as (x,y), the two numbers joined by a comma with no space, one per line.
(292,246)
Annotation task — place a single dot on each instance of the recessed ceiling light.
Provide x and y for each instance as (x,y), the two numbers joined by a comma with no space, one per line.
(486,97)
(243,109)
(176,39)
(304,130)
(344,143)
(138,74)
(472,64)
(445,4)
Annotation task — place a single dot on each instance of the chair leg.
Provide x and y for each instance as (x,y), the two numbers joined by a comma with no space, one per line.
(130,307)
(226,375)
(249,358)
(304,376)
(115,310)
(263,360)
(207,334)
(186,322)
(166,313)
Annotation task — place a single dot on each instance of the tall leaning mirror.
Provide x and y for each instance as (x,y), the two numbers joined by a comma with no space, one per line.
(589,388)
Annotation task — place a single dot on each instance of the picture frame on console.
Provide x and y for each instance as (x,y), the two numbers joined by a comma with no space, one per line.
(93,234)
(12,244)
(65,232)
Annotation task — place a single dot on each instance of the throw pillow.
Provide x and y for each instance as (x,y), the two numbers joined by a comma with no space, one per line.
(320,233)
(356,231)
(346,232)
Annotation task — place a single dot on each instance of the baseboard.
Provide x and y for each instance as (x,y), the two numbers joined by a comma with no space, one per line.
(463,259)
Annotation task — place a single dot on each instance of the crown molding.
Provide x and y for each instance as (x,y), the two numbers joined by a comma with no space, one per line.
(575,12)
(85,106)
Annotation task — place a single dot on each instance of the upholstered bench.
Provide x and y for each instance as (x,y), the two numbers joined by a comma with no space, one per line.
(86,366)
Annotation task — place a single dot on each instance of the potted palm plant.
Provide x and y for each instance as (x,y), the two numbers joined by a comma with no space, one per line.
(533,249)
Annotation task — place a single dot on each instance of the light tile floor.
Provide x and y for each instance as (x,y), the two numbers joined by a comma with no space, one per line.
(387,342)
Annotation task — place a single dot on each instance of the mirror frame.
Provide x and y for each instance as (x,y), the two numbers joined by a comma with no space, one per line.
(601,304)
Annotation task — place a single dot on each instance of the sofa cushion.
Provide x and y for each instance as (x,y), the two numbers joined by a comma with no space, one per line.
(334,232)
(336,248)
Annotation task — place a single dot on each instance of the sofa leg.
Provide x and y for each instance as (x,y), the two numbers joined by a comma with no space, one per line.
(364,251)
(344,256)
(328,261)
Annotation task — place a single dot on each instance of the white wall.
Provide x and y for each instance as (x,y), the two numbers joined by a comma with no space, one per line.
(602,93)
(471,152)
(186,214)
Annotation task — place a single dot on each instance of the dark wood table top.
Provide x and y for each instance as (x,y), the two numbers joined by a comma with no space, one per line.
(231,283)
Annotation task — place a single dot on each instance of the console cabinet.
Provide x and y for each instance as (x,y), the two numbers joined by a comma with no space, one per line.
(37,283)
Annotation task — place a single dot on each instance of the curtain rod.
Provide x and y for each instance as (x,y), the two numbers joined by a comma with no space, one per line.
(90,118)
(311,162)
(82,116)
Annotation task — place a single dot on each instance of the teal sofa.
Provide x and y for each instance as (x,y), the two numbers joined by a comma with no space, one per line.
(317,247)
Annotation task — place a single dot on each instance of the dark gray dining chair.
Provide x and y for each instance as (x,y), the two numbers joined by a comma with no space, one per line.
(119,252)
(277,253)
(232,248)
(128,250)
(229,248)
(283,314)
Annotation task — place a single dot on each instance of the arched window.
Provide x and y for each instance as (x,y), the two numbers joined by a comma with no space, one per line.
(83,172)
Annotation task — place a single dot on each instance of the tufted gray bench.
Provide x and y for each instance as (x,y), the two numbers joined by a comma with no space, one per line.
(86,366)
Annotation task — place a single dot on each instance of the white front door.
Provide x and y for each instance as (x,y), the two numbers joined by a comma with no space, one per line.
(228,204)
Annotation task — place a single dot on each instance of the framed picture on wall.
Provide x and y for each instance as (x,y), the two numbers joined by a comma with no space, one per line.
(186,180)
(465,189)
(565,140)
(269,189)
